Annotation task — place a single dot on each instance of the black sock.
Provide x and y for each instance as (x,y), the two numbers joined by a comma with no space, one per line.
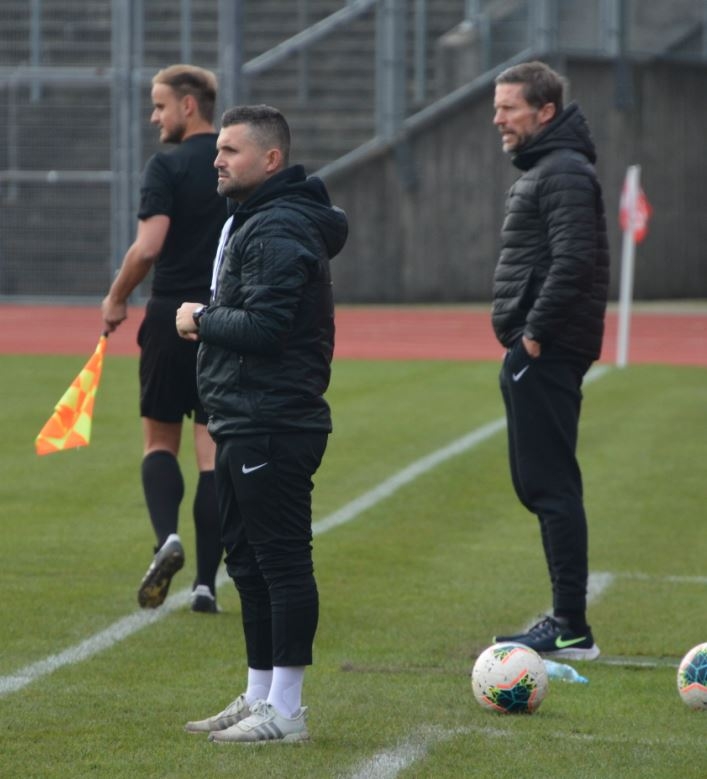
(163,486)
(207,524)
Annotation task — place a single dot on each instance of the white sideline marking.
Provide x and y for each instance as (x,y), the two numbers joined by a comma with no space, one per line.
(387,764)
(125,627)
(671,579)
(596,585)
(97,643)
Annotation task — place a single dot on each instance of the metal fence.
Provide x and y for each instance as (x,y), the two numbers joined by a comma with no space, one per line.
(75,78)
(74,97)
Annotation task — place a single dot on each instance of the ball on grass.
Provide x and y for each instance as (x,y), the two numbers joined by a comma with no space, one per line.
(692,678)
(509,678)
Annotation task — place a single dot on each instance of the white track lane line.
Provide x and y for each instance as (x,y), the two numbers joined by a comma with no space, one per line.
(125,627)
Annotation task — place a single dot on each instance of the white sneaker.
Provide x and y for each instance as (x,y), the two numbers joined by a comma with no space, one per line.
(265,724)
(234,712)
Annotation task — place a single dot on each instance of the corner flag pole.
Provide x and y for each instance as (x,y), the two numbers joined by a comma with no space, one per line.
(628,252)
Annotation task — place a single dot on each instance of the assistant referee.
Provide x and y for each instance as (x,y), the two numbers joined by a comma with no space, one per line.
(179,222)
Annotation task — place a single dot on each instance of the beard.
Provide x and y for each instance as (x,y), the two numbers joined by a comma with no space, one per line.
(512,143)
(233,190)
(175,135)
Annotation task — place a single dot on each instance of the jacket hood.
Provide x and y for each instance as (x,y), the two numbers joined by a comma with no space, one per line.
(292,188)
(568,131)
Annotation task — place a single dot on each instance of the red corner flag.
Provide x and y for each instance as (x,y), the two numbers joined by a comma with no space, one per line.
(70,424)
(634,210)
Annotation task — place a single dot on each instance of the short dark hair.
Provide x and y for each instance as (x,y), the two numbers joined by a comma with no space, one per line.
(200,83)
(267,125)
(541,84)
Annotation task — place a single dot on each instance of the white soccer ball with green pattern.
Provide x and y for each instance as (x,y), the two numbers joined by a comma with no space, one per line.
(509,678)
(692,678)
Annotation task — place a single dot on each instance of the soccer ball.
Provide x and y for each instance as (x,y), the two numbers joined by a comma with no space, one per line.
(692,678)
(510,678)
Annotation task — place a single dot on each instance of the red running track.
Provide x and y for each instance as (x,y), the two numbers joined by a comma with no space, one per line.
(670,334)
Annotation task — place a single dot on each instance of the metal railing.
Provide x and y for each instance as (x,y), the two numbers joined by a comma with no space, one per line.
(498,30)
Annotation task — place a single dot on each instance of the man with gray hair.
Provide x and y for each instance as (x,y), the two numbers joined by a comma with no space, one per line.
(549,300)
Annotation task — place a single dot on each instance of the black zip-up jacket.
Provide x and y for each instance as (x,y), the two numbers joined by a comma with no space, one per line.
(267,338)
(552,279)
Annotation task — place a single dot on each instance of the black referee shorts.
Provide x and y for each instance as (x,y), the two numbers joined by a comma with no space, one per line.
(167,366)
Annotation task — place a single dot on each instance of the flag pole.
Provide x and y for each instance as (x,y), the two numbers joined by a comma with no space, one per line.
(633,177)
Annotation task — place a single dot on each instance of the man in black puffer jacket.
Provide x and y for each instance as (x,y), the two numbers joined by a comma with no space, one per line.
(267,340)
(550,292)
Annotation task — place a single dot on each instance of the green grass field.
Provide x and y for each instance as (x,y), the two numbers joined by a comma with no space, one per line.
(412,589)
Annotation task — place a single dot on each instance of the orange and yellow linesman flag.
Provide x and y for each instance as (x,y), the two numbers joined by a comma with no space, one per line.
(70,424)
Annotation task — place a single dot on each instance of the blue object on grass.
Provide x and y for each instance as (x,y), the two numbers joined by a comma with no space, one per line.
(564,672)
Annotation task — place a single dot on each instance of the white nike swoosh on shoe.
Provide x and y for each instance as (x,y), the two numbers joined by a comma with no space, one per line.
(518,376)
(246,469)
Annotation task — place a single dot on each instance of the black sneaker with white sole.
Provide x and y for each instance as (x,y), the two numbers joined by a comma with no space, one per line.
(552,637)
(167,561)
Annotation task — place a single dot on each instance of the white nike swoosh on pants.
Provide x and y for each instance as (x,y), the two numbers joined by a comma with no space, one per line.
(246,469)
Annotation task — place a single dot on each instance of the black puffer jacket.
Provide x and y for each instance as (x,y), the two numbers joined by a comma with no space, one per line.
(267,338)
(552,279)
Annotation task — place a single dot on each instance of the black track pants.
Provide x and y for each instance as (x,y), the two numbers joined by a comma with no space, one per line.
(264,487)
(543,400)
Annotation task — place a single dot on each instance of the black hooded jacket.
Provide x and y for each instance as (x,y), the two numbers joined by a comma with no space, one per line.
(552,279)
(267,338)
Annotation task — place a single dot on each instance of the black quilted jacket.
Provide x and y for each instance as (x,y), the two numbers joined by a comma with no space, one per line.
(268,336)
(552,278)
